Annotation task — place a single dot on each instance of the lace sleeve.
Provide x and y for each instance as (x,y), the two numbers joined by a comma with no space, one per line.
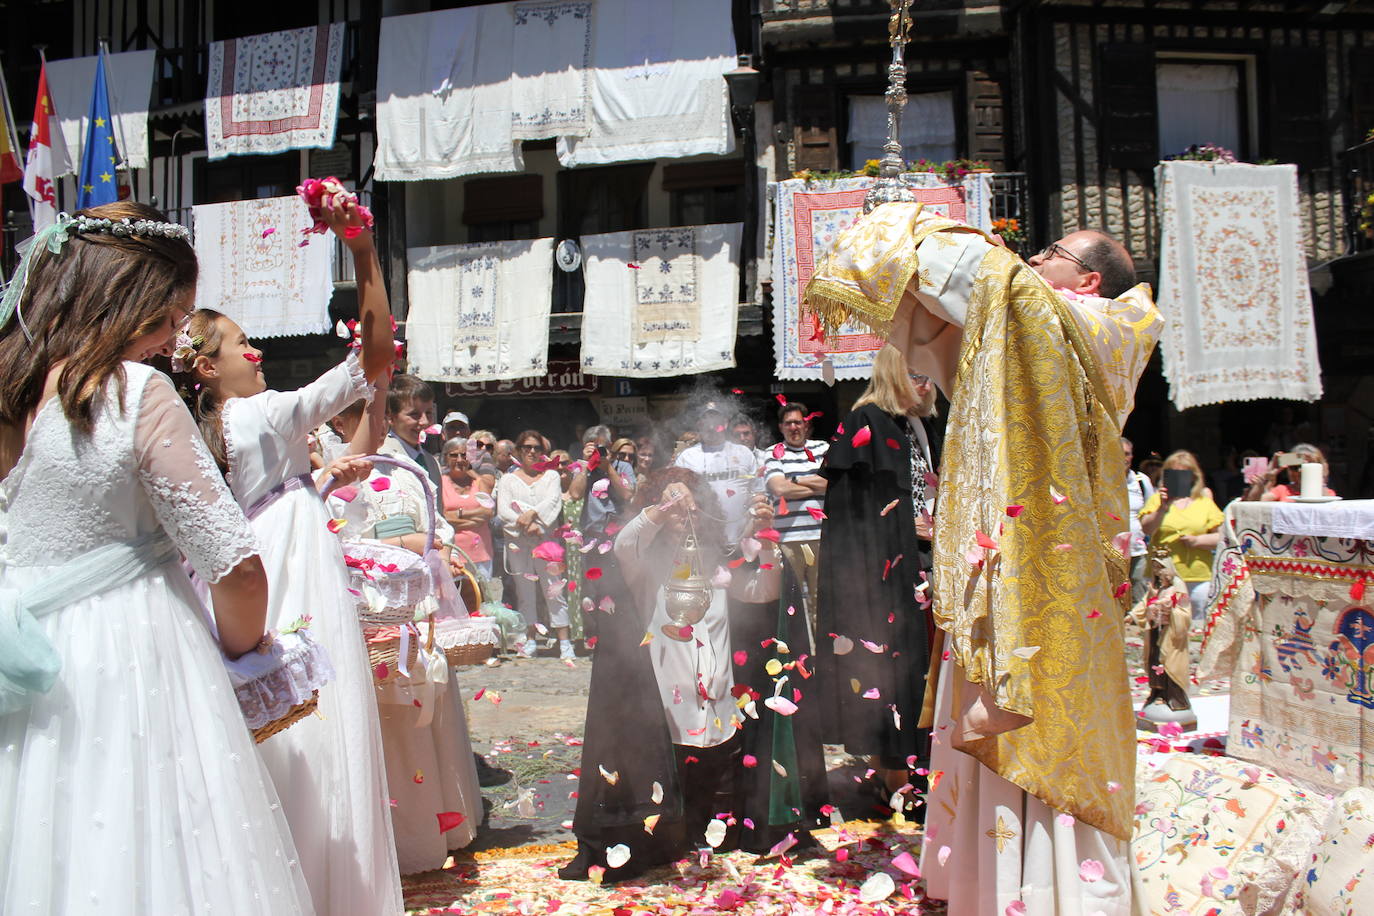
(190,498)
(294,414)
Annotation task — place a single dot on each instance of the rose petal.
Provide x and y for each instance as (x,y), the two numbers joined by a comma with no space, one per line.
(617,855)
(859,440)
(943,855)
(781,705)
(450,819)
(1090,870)
(879,885)
(903,862)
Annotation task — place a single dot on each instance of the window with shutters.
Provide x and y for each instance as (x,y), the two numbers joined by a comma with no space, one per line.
(1201,102)
(814,137)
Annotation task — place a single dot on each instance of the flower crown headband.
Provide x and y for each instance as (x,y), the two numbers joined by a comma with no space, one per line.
(58,234)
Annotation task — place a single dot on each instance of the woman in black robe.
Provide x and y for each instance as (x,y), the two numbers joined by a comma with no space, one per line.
(873,598)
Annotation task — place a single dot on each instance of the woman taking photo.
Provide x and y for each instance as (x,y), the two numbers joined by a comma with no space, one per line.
(1188,524)
(119,729)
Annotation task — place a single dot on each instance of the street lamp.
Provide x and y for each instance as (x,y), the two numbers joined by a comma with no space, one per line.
(743,82)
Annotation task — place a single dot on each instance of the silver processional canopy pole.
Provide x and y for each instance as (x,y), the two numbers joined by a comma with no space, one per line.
(889,187)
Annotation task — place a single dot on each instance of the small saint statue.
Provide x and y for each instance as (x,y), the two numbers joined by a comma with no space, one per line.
(1165,614)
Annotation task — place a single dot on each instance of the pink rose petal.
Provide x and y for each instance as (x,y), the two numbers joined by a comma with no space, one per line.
(1090,870)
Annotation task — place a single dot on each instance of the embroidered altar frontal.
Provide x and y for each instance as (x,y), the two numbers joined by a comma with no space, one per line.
(1294,625)
(274,92)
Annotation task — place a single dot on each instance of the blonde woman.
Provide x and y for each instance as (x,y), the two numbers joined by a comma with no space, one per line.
(875,539)
(1188,524)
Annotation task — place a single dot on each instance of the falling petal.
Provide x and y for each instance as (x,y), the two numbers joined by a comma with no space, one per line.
(879,886)
(871,693)
(817,514)
(1094,614)
(1090,870)
(889,507)
(1121,589)
(419,777)
(1065,820)
(779,769)
(335,525)
(1062,547)
(1025,652)
(380,484)
(773,667)
(842,854)
(449,820)
(611,776)
(943,855)
(1059,498)
(648,636)
(782,845)
(750,761)
(596,872)
(1113,786)
(715,833)
(1015,908)
(478,695)
(873,647)
(984,541)
(1170,729)
(594,573)
(903,862)
(617,855)
(781,705)
(779,450)
(657,793)
(650,822)
(1014,511)
(975,556)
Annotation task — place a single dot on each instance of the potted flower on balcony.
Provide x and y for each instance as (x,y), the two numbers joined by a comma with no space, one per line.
(1008,228)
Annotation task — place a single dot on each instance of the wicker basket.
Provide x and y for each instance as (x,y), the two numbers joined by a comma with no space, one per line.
(293,715)
(451,635)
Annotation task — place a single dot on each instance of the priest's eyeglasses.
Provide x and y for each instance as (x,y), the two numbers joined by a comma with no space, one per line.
(1057,250)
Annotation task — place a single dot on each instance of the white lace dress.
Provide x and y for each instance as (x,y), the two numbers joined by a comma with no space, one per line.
(132,786)
(328,770)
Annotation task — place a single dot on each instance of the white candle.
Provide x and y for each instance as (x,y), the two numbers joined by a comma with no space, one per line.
(1312,480)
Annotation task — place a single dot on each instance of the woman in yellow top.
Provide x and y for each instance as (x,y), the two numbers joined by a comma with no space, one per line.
(1189,526)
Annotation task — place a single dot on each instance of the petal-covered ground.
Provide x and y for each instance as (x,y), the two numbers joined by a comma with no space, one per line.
(861,869)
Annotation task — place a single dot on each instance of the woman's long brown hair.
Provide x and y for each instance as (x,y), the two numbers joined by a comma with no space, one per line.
(85,305)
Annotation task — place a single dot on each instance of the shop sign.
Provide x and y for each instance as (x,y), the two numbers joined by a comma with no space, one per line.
(624,412)
(565,376)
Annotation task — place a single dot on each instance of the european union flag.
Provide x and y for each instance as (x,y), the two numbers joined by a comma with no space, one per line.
(97,184)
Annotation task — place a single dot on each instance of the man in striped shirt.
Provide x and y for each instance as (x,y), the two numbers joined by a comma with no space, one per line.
(792,476)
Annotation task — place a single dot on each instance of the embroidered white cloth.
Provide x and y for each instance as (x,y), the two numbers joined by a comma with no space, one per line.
(1349,519)
(479,312)
(551,82)
(1233,285)
(129,79)
(274,92)
(661,302)
(443,96)
(657,89)
(266,281)
(808,217)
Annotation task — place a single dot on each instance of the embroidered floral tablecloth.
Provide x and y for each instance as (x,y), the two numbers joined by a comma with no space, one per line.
(1292,623)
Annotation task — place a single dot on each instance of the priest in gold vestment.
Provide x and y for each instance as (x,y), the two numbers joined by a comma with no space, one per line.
(1033,758)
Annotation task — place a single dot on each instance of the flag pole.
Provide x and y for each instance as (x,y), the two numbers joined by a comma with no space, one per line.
(118,121)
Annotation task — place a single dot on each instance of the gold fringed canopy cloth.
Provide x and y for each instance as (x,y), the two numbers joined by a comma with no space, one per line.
(1031,464)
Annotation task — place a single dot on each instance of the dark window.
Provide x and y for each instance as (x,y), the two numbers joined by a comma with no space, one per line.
(701,193)
(1297,107)
(247,178)
(498,209)
(610,199)
(1128,105)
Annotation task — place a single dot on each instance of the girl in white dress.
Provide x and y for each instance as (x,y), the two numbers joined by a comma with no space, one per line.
(128,780)
(328,769)
(429,761)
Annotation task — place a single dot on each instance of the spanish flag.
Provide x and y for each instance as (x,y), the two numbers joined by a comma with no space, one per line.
(11,160)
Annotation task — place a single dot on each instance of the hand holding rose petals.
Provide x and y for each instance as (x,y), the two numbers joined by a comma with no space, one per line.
(332,206)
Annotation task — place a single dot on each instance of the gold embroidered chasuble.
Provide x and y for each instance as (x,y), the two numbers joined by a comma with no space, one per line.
(1043,383)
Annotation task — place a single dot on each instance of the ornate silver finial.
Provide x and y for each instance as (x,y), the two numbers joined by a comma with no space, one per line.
(889,186)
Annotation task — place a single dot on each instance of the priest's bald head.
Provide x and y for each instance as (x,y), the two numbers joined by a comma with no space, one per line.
(1089,262)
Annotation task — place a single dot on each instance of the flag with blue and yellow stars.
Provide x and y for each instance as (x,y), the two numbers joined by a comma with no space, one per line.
(97,183)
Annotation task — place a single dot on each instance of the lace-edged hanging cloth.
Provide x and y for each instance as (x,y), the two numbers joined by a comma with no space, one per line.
(657,86)
(274,92)
(808,218)
(479,312)
(1233,284)
(661,302)
(255,267)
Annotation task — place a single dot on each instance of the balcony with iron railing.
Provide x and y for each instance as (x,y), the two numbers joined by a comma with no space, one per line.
(1357,169)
